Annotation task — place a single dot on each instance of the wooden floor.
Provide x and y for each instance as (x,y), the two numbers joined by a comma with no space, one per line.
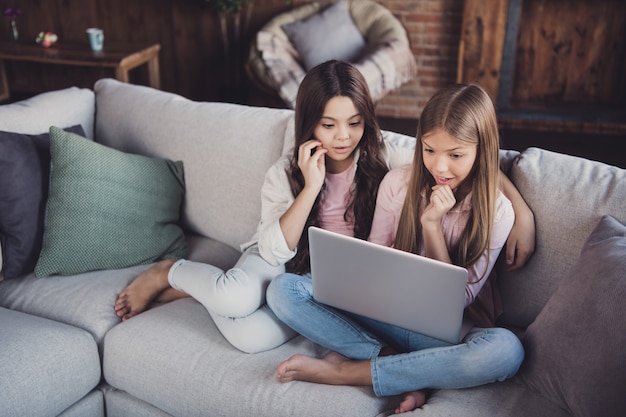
(603,148)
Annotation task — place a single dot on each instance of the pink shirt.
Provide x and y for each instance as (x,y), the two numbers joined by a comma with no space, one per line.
(334,201)
(391,196)
(276,198)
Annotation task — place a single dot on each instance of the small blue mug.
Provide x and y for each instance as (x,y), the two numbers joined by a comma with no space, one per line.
(96,39)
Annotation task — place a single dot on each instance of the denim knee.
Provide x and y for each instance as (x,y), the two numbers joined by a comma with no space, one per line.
(508,353)
(274,291)
(286,293)
(277,292)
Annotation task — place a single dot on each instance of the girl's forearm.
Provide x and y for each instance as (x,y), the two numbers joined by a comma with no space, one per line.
(512,193)
(434,243)
(292,223)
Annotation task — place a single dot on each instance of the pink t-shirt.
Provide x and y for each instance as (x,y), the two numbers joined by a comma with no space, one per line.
(334,200)
(389,203)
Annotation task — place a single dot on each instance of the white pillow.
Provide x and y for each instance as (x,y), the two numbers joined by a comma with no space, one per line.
(67,107)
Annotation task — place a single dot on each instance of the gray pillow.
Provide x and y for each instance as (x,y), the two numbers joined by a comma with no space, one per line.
(576,348)
(328,34)
(25,165)
(568,195)
(108,209)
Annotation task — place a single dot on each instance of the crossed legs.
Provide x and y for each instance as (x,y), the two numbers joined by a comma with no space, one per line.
(235,299)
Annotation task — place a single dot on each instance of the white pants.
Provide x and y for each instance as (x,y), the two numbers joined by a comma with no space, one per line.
(235,299)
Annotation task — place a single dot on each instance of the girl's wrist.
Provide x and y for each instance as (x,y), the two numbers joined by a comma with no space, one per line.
(431,227)
(312,190)
(430,224)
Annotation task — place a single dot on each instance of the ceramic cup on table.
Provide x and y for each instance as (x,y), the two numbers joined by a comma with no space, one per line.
(96,39)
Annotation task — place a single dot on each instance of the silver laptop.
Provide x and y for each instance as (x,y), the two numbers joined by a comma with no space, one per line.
(387,284)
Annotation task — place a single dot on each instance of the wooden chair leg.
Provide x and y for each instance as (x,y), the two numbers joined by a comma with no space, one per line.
(4,84)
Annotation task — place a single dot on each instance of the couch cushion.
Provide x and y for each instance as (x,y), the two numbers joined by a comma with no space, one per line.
(575,353)
(568,196)
(91,405)
(173,355)
(122,404)
(46,366)
(25,167)
(501,399)
(86,300)
(328,34)
(226,149)
(66,107)
(107,209)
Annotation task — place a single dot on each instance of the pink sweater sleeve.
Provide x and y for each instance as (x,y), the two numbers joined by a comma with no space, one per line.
(391,194)
(504,218)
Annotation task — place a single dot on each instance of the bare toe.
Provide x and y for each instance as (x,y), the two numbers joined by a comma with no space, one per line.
(412,400)
(138,295)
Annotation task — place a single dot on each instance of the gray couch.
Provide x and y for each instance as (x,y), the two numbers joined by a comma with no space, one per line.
(64,352)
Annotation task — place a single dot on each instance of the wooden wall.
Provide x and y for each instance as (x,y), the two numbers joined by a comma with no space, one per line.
(192,62)
(192,58)
(566,54)
(549,64)
(575,53)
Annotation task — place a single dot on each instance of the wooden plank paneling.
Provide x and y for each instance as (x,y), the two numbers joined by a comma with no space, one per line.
(571,53)
(481,43)
(192,60)
(563,66)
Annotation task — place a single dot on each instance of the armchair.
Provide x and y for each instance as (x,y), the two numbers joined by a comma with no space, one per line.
(277,66)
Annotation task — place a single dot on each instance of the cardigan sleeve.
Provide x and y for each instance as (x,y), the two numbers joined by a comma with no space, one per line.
(276,198)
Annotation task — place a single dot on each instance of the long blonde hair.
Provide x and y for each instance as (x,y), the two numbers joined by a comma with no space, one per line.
(465,112)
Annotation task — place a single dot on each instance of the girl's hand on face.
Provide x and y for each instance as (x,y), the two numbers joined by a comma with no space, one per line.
(441,201)
(312,163)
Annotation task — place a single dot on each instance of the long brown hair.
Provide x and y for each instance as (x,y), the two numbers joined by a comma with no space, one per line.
(465,112)
(322,83)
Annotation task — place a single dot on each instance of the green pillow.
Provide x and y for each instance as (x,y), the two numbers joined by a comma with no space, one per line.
(107,209)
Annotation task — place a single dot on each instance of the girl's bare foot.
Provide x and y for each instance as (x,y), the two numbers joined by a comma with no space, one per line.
(138,295)
(170,294)
(333,369)
(412,400)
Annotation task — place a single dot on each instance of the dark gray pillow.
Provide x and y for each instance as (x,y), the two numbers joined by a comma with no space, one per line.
(576,348)
(328,34)
(25,166)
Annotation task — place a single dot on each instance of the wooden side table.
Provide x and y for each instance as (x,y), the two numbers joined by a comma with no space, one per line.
(120,57)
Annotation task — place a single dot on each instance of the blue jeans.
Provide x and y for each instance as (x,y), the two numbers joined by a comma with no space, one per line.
(483,356)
